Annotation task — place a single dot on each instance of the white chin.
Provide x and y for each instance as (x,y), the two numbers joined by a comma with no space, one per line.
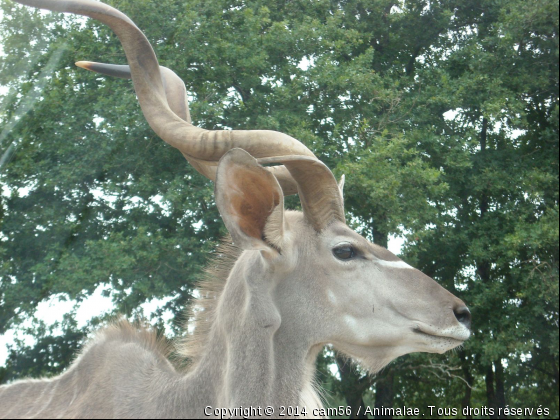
(441,345)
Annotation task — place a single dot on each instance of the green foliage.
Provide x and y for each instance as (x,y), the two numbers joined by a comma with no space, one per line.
(85,202)
(443,116)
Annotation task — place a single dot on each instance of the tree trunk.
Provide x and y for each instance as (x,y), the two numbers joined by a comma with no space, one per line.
(490,393)
(466,400)
(500,390)
(384,392)
(353,387)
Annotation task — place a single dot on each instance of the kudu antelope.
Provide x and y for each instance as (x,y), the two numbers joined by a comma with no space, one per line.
(296,281)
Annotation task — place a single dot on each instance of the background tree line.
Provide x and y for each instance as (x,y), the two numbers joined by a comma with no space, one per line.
(443,116)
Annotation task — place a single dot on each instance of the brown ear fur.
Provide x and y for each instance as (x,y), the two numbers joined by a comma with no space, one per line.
(247,195)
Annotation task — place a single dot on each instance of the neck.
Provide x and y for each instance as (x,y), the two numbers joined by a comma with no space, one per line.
(253,357)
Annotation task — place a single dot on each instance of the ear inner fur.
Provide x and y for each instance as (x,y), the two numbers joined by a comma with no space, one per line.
(251,199)
(247,195)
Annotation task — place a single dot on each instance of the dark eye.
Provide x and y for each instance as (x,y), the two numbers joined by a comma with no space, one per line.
(344,252)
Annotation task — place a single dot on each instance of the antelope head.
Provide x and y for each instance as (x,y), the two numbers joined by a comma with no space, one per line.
(324,282)
(320,279)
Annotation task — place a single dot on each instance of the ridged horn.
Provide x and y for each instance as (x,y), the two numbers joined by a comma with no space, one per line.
(194,142)
(320,195)
(176,94)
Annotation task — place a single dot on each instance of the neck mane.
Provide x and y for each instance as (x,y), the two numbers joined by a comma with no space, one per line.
(202,311)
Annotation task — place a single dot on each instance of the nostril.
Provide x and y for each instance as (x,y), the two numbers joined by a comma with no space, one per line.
(463,315)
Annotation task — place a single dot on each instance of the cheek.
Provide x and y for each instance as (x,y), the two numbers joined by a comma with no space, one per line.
(353,298)
(362,304)
(353,318)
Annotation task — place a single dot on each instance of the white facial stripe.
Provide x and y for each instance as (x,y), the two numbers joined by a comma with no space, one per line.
(394,264)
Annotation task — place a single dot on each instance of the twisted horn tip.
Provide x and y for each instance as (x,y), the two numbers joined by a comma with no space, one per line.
(84,65)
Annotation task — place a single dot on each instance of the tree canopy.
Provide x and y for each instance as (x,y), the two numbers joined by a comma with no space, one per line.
(442,115)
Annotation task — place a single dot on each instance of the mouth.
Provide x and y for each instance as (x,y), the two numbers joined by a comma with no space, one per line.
(458,337)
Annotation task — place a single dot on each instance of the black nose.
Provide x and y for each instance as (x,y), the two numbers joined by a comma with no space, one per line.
(463,315)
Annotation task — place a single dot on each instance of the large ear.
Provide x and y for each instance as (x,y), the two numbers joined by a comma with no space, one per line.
(250,201)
